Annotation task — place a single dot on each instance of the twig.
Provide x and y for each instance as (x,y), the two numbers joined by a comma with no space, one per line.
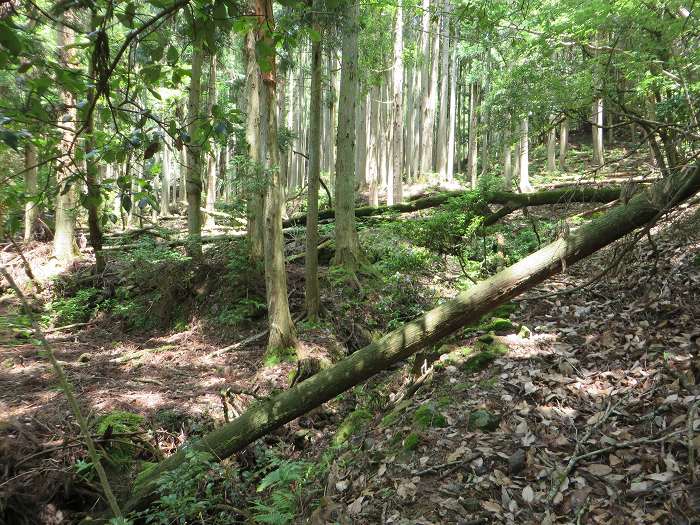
(65,385)
(453,464)
(67,327)
(691,447)
(241,344)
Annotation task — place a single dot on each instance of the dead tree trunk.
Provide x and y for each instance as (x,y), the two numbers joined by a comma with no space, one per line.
(468,307)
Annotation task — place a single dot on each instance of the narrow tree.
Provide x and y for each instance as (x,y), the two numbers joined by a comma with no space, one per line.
(313,300)
(597,130)
(255,195)
(66,199)
(473,123)
(551,145)
(280,323)
(347,243)
(524,184)
(563,142)
(397,87)
(31,186)
(211,157)
(194,155)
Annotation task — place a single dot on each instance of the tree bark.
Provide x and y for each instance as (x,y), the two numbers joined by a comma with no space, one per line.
(449,176)
(66,199)
(253,187)
(597,130)
(313,299)
(473,123)
(194,156)
(443,125)
(551,145)
(524,171)
(281,327)
(507,158)
(563,142)
(397,88)
(347,243)
(428,329)
(31,187)
(373,171)
(211,157)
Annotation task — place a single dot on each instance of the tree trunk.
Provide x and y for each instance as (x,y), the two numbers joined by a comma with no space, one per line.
(347,243)
(31,187)
(165,177)
(428,127)
(211,157)
(597,130)
(524,184)
(66,199)
(473,122)
(373,171)
(429,329)
(453,112)
(194,156)
(255,195)
(551,145)
(281,327)
(361,149)
(563,142)
(443,128)
(557,196)
(507,158)
(313,300)
(397,127)
(423,100)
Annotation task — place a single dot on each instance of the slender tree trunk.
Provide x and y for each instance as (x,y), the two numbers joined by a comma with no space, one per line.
(524,172)
(281,327)
(551,145)
(31,187)
(472,154)
(443,128)
(430,328)
(347,244)
(563,142)
(255,195)
(597,130)
(397,81)
(453,112)
(194,156)
(361,149)
(333,116)
(373,173)
(165,177)
(423,100)
(428,130)
(313,299)
(507,158)
(66,199)
(211,157)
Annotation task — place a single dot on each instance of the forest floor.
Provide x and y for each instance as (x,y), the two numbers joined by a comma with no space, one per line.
(581,413)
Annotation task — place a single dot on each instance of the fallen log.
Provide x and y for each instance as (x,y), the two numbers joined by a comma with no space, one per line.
(467,308)
(516,200)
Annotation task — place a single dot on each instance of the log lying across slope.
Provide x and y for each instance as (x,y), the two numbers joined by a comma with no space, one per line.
(466,308)
(512,200)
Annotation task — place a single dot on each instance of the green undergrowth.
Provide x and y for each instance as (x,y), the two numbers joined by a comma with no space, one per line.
(276,356)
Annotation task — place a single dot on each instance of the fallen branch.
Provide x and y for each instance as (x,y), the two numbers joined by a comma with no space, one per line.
(466,308)
(513,200)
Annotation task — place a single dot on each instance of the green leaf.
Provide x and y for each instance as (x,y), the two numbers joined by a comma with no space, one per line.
(9,40)
(172,55)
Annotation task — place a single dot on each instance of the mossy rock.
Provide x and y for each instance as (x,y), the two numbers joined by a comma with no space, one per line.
(500,326)
(354,422)
(427,416)
(486,339)
(524,332)
(411,442)
(483,420)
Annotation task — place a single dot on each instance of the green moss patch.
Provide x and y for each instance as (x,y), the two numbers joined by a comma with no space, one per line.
(353,423)
(275,356)
(411,442)
(427,416)
(483,420)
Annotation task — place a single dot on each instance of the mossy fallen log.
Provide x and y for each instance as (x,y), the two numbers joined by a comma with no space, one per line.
(466,308)
(512,200)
